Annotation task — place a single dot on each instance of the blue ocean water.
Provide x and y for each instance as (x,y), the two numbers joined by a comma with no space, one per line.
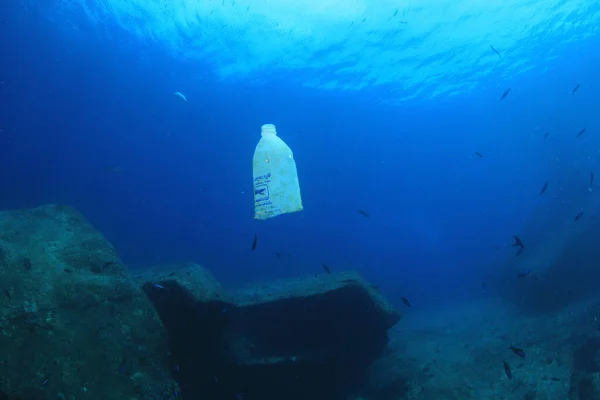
(384,105)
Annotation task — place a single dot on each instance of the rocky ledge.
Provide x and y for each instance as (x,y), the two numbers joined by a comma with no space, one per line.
(74,323)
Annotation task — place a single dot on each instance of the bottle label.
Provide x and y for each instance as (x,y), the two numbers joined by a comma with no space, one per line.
(263,206)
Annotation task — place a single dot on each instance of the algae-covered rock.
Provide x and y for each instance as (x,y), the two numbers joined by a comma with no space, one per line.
(73,323)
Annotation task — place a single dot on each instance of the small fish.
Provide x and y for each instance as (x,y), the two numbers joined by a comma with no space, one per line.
(7,293)
(478,154)
(525,274)
(518,243)
(326,268)
(123,365)
(507,370)
(405,301)
(506,92)
(114,169)
(495,51)
(254,242)
(278,254)
(364,213)
(581,132)
(546,135)
(543,189)
(158,286)
(576,88)
(174,389)
(591,180)
(555,379)
(181,96)
(517,351)
(578,216)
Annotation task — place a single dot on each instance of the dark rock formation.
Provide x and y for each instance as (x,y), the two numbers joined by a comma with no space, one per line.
(194,308)
(73,323)
(302,339)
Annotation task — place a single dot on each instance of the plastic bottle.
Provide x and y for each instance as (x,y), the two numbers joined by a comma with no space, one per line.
(276,187)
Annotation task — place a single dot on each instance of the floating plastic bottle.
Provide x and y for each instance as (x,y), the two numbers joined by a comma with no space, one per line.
(276,187)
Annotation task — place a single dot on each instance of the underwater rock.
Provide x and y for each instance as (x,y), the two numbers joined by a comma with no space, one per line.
(194,308)
(314,337)
(310,319)
(73,322)
(569,276)
(296,339)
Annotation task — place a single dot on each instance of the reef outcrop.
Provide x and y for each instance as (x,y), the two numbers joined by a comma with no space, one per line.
(73,322)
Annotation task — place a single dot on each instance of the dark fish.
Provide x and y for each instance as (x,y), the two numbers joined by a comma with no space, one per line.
(326,268)
(518,243)
(506,92)
(495,51)
(591,179)
(543,189)
(507,370)
(578,216)
(405,301)
(364,213)
(517,351)
(123,365)
(278,254)
(576,88)
(254,242)
(581,132)
(7,293)
(546,135)
(525,274)
(478,154)
(555,379)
